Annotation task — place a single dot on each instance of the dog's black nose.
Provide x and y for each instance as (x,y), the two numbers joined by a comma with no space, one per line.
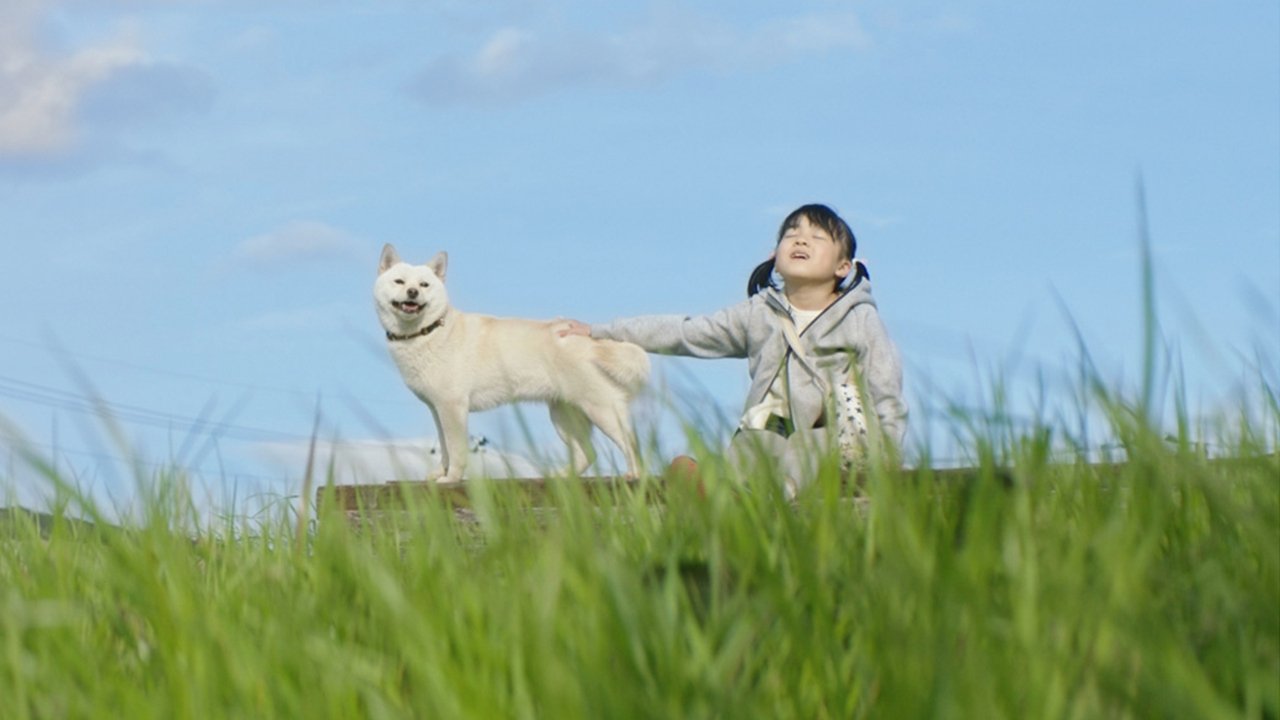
(413,292)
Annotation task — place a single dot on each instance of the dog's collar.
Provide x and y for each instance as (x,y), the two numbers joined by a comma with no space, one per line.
(392,337)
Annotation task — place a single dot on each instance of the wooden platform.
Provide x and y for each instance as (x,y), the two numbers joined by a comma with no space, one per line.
(398,495)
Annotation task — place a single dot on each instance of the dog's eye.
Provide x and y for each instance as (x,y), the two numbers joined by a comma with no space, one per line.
(425,284)
(399,282)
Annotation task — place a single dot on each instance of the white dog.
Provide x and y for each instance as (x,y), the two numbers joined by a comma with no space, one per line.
(457,362)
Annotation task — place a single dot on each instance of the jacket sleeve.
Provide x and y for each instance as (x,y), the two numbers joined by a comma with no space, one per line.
(881,370)
(719,335)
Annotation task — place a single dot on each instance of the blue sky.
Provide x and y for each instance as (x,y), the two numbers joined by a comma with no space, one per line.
(193,195)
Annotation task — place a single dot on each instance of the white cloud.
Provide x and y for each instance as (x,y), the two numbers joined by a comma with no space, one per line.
(949,23)
(44,92)
(254,38)
(814,34)
(41,93)
(298,242)
(514,64)
(330,317)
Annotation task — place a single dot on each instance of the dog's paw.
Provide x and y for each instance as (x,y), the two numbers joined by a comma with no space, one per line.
(441,477)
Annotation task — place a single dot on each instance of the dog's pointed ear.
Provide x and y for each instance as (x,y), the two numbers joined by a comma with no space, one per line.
(389,257)
(439,264)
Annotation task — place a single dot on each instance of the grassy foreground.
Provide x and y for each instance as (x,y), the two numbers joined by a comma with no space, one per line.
(1152,591)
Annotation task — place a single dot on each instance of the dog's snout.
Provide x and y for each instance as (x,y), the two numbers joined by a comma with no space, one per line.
(413,292)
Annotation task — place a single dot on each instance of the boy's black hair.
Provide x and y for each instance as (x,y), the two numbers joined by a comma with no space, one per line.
(825,218)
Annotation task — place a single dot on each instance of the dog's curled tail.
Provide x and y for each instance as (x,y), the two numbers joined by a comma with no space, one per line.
(625,363)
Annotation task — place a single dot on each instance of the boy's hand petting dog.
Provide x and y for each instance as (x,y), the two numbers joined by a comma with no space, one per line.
(565,327)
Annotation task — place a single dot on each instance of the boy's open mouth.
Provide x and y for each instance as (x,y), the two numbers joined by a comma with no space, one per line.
(408,307)
(798,255)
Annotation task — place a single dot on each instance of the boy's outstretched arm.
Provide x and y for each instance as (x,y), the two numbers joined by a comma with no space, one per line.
(721,334)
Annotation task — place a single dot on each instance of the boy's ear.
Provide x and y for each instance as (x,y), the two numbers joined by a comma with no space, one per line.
(439,264)
(389,258)
(843,269)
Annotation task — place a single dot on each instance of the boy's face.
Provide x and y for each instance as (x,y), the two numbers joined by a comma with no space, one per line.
(809,253)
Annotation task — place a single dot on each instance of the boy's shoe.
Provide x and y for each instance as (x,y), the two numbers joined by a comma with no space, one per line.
(683,470)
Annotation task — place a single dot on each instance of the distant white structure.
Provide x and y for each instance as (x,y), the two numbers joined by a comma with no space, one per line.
(377,461)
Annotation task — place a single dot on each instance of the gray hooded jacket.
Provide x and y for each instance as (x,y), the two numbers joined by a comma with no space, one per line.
(847,330)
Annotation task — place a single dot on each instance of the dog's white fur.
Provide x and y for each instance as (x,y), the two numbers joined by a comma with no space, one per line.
(476,362)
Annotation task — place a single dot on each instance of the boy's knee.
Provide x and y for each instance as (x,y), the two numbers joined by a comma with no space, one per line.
(751,450)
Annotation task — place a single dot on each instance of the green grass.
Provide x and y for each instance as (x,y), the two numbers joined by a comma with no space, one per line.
(1057,591)
(1026,589)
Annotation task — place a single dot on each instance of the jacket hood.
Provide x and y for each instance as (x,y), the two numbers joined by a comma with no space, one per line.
(859,293)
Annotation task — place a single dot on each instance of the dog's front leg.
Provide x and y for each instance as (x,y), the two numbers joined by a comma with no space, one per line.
(451,422)
(435,474)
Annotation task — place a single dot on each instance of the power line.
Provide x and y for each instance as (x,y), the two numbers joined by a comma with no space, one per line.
(53,348)
(154,466)
(57,399)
